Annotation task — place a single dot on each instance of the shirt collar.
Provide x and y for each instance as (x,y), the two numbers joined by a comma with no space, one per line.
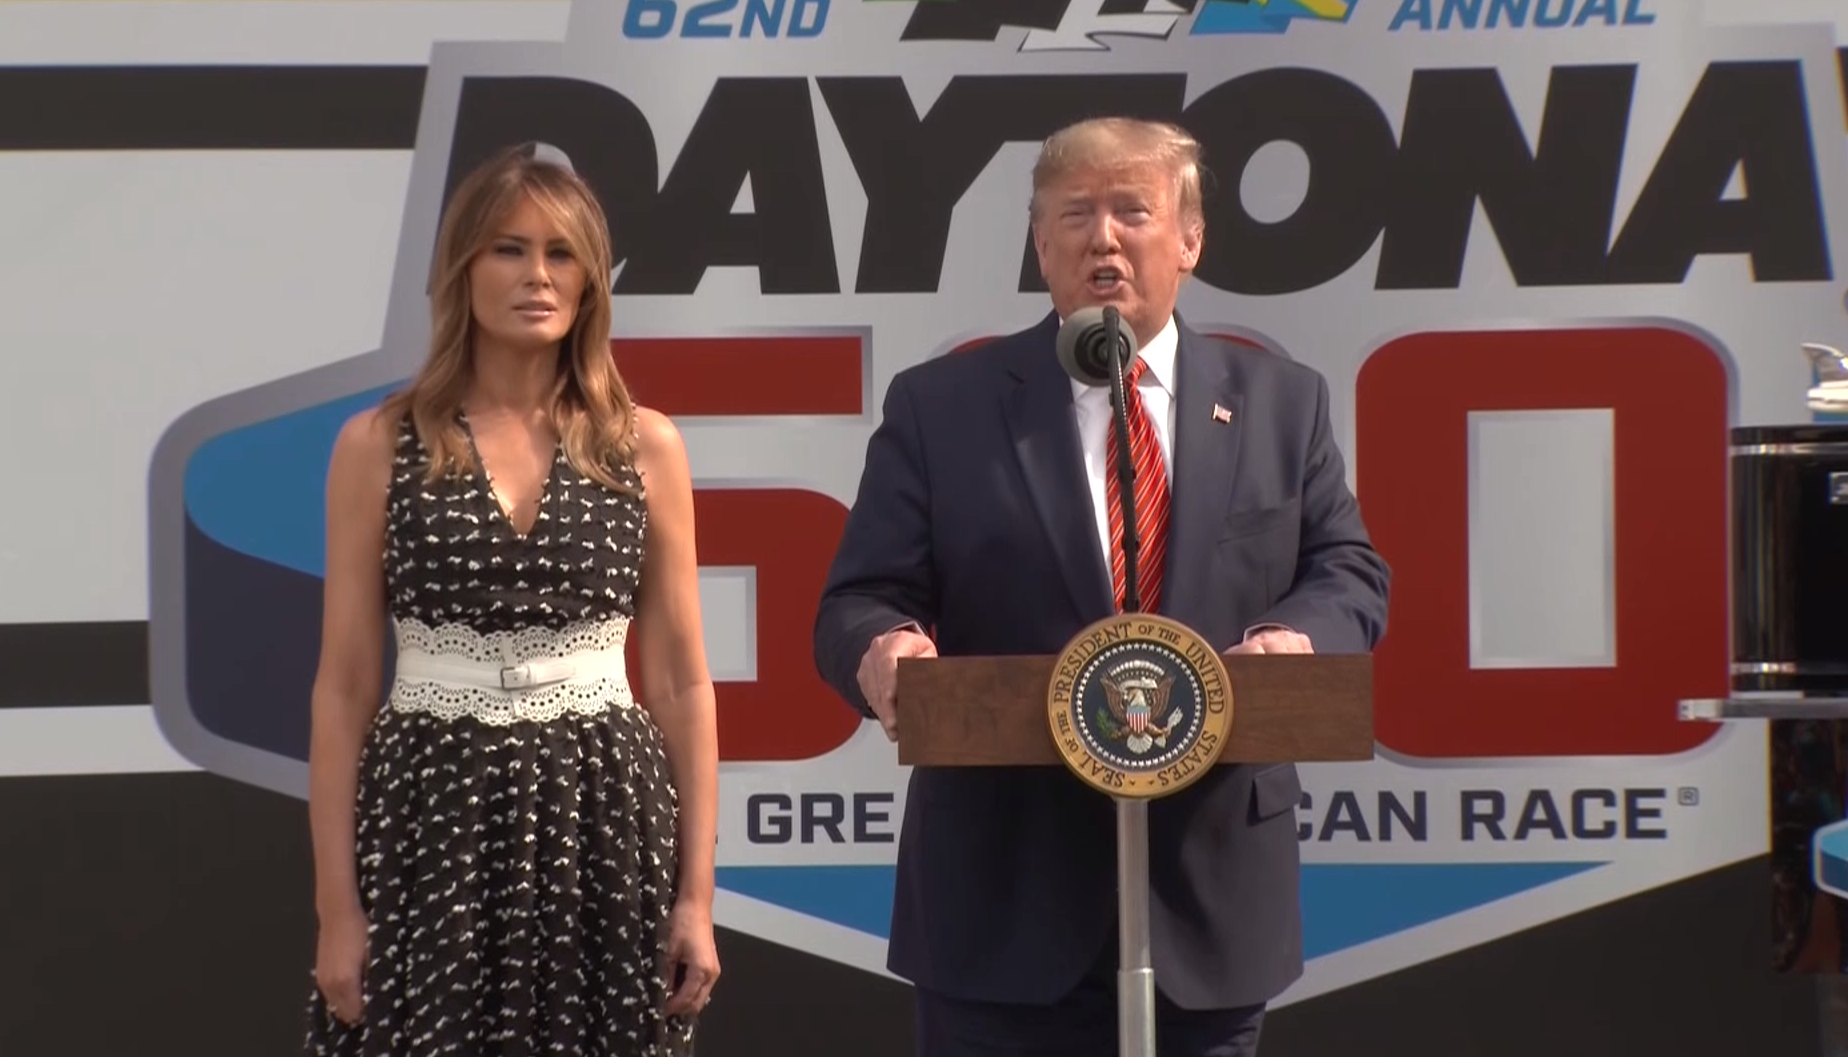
(1159,353)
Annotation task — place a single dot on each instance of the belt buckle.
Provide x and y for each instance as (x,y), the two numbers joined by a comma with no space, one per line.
(516,676)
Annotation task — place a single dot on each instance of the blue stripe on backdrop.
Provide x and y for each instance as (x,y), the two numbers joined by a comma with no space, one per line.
(1343,905)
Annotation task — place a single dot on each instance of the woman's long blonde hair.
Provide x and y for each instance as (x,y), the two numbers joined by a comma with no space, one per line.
(591,407)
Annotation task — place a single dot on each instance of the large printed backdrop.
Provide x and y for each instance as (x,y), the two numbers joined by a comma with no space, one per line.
(194,870)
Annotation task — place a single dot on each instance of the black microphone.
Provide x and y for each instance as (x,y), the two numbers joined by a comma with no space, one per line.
(1084,344)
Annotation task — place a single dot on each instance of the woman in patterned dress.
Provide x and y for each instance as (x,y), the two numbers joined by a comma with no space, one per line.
(514,854)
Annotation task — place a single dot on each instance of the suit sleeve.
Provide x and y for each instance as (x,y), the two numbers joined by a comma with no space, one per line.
(1339,596)
(881,577)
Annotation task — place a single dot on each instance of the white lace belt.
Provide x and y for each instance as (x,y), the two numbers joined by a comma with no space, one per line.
(537,674)
(584,666)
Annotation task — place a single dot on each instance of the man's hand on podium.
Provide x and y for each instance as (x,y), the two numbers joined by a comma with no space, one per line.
(878,674)
(1273,639)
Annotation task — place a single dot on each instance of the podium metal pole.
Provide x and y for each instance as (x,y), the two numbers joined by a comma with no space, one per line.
(1136,972)
(1128,684)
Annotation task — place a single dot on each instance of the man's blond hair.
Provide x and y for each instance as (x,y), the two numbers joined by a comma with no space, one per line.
(1119,142)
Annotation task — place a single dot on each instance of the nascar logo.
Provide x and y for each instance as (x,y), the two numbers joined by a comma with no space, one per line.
(1077,25)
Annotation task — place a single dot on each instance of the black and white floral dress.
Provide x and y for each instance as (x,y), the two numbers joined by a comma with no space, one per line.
(516,848)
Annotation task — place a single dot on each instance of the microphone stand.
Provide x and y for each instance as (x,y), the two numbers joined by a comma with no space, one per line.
(1135,972)
(1125,464)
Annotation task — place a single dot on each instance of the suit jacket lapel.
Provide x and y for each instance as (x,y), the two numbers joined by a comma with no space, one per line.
(1045,432)
(1205,465)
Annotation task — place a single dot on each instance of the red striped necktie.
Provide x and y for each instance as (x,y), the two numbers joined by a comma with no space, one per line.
(1151,500)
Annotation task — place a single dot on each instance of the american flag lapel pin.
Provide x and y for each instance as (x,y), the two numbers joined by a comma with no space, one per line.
(1221,414)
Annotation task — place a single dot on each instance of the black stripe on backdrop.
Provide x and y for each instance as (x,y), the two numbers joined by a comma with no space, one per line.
(227,107)
(73,664)
(103,108)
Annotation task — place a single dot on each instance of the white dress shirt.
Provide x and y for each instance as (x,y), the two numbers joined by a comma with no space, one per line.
(1094,424)
(1092,407)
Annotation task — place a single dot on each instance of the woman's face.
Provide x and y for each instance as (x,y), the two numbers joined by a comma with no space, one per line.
(526,286)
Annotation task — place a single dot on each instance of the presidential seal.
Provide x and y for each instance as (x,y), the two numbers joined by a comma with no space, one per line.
(1139,705)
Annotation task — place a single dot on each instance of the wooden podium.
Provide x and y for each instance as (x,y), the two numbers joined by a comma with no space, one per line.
(991,711)
(1003,712)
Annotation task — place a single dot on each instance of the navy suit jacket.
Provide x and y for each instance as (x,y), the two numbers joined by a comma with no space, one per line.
(973,517)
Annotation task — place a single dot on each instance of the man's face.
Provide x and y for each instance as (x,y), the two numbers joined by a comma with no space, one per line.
(1114,236)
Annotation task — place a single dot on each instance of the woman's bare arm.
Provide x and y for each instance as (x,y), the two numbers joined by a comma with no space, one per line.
(673,654)
(346,683)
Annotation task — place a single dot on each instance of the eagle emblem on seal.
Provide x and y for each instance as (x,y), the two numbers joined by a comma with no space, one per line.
(1137,696)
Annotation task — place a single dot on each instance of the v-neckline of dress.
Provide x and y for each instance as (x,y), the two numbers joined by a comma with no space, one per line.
(496,505)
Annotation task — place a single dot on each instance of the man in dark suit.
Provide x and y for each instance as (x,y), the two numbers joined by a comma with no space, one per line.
(985,516)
